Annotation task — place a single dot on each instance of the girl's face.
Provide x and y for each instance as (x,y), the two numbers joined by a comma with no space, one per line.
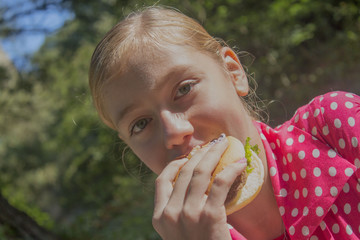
(168,101)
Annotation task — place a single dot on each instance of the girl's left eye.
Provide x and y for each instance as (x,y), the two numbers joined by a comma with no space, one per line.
(184,89)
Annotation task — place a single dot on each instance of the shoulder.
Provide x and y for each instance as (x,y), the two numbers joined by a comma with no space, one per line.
(334,108)
(334,119)
(336,105)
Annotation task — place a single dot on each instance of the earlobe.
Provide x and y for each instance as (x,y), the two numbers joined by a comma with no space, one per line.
(236,71)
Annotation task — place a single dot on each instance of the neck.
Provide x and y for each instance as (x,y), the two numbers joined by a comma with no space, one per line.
(260,219)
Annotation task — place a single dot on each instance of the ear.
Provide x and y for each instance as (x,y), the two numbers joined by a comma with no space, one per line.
(237,73)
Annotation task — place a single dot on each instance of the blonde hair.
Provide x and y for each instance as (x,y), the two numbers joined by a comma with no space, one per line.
(144,31)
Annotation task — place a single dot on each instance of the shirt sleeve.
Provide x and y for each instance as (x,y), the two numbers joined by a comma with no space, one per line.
(235,235)
(334,119)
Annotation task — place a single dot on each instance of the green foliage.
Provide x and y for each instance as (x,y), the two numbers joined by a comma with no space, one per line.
(64,168)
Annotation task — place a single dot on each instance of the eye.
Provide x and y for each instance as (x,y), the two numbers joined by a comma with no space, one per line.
(184,89)
(139,125)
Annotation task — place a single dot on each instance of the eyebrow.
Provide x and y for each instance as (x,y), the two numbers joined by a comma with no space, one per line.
(124,112)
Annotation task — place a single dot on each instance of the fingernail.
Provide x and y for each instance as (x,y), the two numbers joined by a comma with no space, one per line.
(220,138)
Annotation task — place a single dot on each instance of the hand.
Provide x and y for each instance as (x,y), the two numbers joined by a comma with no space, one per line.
(184,211)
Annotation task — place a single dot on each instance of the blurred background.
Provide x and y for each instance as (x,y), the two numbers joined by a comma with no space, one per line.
(63,174)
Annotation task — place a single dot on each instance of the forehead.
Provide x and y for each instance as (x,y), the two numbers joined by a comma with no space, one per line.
(151,61)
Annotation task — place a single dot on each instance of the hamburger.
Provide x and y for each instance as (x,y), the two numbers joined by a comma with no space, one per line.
(248,184)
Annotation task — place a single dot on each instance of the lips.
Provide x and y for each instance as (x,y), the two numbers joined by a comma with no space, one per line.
(193,150)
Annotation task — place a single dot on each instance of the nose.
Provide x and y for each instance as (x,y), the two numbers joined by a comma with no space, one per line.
(176,128)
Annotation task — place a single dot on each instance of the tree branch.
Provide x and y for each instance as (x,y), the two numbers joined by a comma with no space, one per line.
(22,223)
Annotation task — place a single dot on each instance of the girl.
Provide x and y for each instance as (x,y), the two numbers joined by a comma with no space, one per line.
(165,85)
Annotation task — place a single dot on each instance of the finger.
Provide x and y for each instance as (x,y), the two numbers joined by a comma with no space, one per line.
(223,182)
(181,185)
(164,185)
(202,172)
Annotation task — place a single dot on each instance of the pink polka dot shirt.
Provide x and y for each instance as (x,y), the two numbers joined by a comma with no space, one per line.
(314,165)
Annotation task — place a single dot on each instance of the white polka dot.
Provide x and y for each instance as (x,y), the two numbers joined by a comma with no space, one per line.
(349,230)
(318,191)
(322,110)
(314,131)
(303,173)
(325,130)
(358,186)
(332,171)
(289,157)
(334,209)
(333,191)
(294,212)
(290,128)
(278,142)
(296,194)
(346,188)
(335,228)
(357,163)
(349,95)
(337,123)
(359,207)
(316,112)
(331,153)
(289,141)
(267,129)
(272,171)
(284,161)
(321,98)
(305,230)
(351,121)
(354,142)
(293,174)
(301,138)
(301,155)
(341,143)
(319,211)
(333,95)
(285,177)
(292,230)
(317,172)
(305,192)
(349,172)
(316,153)
(349,105)
(274,156)
(333,106)
(272,145)
(323,225)
(305,211)
(282,210)
(314,237)
(306,115)
(296,118)
(283,192)
(262,136)
(347,208)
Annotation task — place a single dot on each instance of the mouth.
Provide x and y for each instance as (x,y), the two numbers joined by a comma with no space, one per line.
(192,150)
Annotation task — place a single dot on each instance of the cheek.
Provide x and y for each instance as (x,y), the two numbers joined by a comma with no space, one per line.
(151,155)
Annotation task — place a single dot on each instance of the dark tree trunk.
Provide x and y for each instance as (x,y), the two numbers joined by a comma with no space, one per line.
(20,223)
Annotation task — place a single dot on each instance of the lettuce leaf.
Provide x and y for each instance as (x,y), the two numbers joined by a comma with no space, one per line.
(248,153)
